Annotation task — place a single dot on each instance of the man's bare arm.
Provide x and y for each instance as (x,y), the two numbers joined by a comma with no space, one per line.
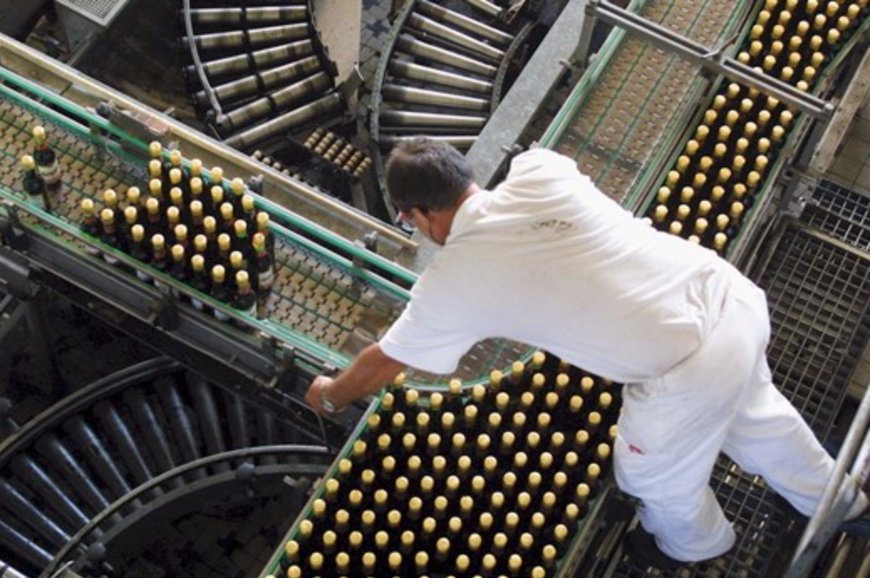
(371,370)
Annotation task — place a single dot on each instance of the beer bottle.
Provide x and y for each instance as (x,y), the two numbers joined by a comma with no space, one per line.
(139,251)
(34,184)
(199,279)
(45,158)
(109,234)
(219,290)
(244,300)
(179,263)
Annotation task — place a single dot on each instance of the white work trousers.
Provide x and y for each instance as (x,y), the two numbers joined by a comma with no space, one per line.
(672,429)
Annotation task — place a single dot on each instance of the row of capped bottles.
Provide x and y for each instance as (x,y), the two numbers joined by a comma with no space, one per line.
(488,480)
(713,184)
(219,243)
(40,171)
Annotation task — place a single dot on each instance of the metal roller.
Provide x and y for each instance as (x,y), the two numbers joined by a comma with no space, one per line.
(487,7)
(452,35)
(428,75)
(257,60)
(415,47)
(72,472)
(244,38)
(325,105)
(124,442)
(208,418)
(430,119)
(152,431)
(459,141)
(238,420)
(23,508)
(183,431)
(266,434)
(407,94)
(247,16)
(50,494)
(254,85)
(277,101)
(24,547)
(462,21)
(98,455)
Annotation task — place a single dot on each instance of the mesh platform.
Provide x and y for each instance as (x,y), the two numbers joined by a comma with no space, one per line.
(818,293)
(99,11)
(839,212)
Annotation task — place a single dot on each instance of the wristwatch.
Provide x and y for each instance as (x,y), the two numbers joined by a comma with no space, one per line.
(327,404)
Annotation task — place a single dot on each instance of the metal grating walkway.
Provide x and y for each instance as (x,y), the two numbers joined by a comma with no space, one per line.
(818,291)
(839,212)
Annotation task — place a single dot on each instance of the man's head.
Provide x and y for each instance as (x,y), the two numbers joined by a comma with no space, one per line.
(428,175)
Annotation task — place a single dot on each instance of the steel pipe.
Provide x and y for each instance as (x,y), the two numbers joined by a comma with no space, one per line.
(430,119)
(72,472)
(257,60)
(408,94)
(19,505)
(238,420)
(459,141)
(208,417)
(154,435)
(322,106)
(124,443)
(417,47)
(49,492)
(183,430)
(248,16)
(278,101)
(23,546)
(244,38)
(428,74)
(256,83)
(462,21)
(487,7)
(97,454)
(452,35)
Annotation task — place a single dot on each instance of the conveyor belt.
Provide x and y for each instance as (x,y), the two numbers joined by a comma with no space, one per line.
(114,437)
(321,298)
(614,125)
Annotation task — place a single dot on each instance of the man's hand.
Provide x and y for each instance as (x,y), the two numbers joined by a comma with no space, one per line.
(314,397)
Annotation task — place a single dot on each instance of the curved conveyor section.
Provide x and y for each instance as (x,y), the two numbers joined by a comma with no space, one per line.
(114,452)
(259,72)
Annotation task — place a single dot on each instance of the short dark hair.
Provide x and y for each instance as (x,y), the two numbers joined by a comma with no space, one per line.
(427,174)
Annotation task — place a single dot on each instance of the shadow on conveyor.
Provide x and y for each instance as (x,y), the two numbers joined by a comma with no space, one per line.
(148,471)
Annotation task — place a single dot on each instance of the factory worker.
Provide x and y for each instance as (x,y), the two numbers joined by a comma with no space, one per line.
(548,260)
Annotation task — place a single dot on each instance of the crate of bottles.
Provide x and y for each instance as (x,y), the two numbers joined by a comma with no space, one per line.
(495,479)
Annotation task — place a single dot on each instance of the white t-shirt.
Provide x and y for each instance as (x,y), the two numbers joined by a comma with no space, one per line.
(548,260)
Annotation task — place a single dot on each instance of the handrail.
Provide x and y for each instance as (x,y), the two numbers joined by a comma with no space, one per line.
(840,493)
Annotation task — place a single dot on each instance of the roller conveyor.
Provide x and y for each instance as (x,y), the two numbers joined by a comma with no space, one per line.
(63,474)
(252,57)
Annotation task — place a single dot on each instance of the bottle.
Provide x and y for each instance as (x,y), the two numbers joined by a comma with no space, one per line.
(109,234)
(249,211)
(155,189)
(154,217)
(45,158)
(34,184)
(179,263)
(199,280)
(155,169)
(263,227)
(139,250)
(158,255)
(227,218)
(219,291)
(237,187)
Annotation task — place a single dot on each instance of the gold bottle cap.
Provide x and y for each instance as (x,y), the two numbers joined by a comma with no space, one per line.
(662,196)
(196,186)
(248,203)
(224,242)
(226,211)
(155,187)
(28,162)
(701,225)
(673,178)
(217,194)
(131,215)
(240,226)
(197,262)
(237,185)
(217,175)
(660,213)
(107,216)
(155,168)
(177,253)
(138,232)
(155,149)
(719,240)
(158,242)
(176,196)
(180,231)
(175,176)
(218,273)
(209,223)
(175,157)
(173,215)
